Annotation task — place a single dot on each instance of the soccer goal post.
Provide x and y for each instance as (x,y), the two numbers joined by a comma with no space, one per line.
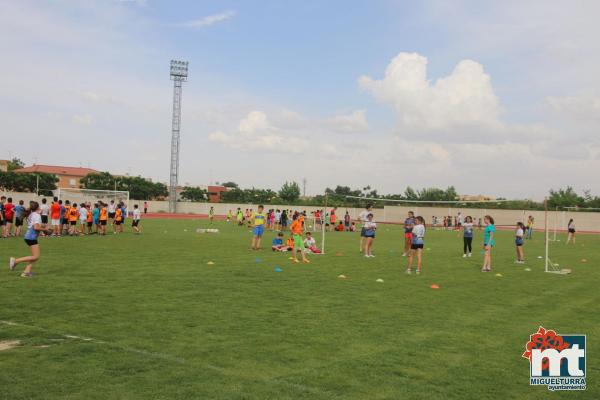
(549,265)
(76,195)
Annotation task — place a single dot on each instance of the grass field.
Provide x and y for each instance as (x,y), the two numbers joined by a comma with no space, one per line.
(164,324)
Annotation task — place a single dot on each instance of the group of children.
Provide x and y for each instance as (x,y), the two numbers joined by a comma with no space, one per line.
(297,244)
(59,219)
(414,235)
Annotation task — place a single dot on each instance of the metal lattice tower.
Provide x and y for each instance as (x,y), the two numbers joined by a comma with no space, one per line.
(179,73)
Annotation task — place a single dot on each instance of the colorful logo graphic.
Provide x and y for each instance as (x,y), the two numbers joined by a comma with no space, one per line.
(557,361)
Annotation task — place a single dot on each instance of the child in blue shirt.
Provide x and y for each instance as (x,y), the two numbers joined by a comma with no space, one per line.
(277,244)
(488,243)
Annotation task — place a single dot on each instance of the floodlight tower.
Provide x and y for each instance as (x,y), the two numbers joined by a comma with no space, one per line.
(179,73)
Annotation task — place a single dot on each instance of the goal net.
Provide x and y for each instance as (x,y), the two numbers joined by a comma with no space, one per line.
(550,265)
(75,195)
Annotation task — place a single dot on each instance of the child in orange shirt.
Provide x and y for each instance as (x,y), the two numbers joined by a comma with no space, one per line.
(297,230)
(73,216)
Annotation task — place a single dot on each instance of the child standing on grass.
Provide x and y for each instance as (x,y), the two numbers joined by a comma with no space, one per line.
(571,229)
(9,215)
(488,243)
(418,235)
(34,227)
(73,216)
(259,219)
(96,217)
(211,215)
(370,228)
(83,216)
(530,221)
(55,216)
(118,220)
(297,229)
(103,218)
(519,241)
(137,216)
(90,219)
(363,219)
(467,228)
(19,216)
(409,223)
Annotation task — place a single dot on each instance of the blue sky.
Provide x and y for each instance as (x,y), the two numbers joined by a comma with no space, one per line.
(475,93)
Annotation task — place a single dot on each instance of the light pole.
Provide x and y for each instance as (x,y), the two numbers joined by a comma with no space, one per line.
(179,73)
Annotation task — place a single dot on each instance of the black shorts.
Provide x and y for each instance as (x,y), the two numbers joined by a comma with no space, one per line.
(19,221)
(3,222)
(363,232)
(415,246)
(31,242)
(571,230)
(111,215)
(117,222)
(44,219)
(135,223)
(372,236)
(103,222)
(72,223)
(65,221)
(89,224)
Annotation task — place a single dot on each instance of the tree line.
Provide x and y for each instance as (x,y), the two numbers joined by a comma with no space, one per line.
(341,196)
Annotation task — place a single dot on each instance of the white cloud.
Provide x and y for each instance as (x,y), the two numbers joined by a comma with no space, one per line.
(356,121)
(208,20)
(255,133)
(463,98)
(84,119)
(587,107)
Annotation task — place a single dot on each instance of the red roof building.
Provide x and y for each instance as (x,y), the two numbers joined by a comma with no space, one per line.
(214,193)
(68,176)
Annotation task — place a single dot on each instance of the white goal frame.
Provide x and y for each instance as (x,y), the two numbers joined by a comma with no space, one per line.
(94,194)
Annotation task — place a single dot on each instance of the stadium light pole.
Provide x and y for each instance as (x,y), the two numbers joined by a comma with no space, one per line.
(179,73)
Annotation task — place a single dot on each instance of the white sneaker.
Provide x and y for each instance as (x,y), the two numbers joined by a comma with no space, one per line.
(11,263)
(464,255)
(470,255)
(409,271)
(371,255)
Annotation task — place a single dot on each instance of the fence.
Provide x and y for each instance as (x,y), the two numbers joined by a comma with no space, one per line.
(585,221)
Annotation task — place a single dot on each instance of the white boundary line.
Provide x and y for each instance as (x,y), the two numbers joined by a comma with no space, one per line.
(163,356)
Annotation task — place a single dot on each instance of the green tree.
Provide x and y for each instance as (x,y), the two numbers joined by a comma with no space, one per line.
(28,182)
(235,195)
(232,185)
(410,194)
(139,188)
(15,163)
(98,181)
(194,194)
(290,192)
(565,198)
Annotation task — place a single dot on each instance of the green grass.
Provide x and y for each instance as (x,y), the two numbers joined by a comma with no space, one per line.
(168,326)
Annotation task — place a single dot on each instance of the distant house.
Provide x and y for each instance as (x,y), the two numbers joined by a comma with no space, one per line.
(69,177)
(214,193)
(4,165)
